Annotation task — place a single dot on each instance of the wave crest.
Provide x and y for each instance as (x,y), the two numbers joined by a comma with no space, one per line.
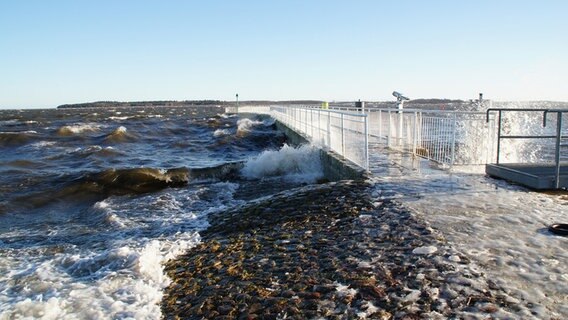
(16,138)
(120,134)
(140,180)
(77,129)
(300,164)
(245,124)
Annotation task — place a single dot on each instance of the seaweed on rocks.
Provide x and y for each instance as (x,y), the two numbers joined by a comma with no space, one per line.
(324,251)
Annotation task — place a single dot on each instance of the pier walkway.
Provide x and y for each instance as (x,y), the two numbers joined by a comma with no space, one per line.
(500,227)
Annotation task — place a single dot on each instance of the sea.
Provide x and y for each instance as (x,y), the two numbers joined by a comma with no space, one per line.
(94,201)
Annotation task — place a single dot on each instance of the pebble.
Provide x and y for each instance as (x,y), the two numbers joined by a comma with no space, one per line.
(425,250)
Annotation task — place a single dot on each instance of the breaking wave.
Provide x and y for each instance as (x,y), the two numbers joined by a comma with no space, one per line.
(245,124)
(120,134)
(300,164)
(77,129)
(97,150)
(16,138)
(133,181)
(221,132)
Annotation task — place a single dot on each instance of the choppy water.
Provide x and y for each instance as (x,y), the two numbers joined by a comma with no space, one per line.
(92,201)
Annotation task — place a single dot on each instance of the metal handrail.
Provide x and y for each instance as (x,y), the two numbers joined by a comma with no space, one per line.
(558,135)
(298,120)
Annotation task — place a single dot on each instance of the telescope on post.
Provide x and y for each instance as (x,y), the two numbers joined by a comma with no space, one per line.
(399,96)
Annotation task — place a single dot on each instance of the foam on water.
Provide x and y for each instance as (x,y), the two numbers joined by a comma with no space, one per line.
(504,231)
(300,164)
(245,124)
(119,118)
(18,132)
(78,128)
(43,144)
(221,132)
(117,272)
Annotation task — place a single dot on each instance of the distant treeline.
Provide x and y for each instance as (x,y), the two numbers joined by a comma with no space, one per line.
(132,104)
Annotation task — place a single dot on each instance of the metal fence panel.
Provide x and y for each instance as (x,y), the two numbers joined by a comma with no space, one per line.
(446,137)
(344,133)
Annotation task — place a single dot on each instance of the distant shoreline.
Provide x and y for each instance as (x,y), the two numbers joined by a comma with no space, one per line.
(134,104)
(119,104)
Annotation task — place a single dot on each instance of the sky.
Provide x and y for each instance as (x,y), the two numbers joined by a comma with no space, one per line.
(58,52)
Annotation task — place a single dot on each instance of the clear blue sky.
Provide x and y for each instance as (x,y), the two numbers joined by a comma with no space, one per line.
(56,52)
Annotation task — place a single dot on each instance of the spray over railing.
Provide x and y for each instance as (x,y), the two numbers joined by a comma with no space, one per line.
(546,164)
(449,137)
(444,136)
(342,132)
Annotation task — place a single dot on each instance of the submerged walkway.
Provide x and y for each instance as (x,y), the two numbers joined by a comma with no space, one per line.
(502,228)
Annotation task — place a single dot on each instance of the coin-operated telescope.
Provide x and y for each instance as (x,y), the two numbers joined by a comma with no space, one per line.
(399,96)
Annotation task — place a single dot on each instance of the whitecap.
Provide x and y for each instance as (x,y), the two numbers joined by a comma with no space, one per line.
(78,128)
(246,124)
(300,164)
(221,132)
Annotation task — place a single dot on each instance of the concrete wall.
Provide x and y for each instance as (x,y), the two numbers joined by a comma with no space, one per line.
(335,166)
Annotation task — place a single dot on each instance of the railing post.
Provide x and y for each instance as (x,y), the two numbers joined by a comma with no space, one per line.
(342,136)
(414,133)
(499,137)
(380,124)
(306,121)
(366,142)
(453,142)
(312,122)
(389,130)
(319,126)
(400,128)
(329,129)
(557,151)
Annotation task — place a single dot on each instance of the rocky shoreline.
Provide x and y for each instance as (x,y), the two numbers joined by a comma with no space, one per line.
(326,251)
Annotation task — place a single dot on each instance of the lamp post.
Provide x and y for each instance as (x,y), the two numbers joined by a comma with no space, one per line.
(237,95)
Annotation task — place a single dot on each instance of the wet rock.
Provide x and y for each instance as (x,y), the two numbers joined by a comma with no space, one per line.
(322,251)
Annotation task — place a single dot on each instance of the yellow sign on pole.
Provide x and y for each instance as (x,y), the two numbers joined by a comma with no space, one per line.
(325,105)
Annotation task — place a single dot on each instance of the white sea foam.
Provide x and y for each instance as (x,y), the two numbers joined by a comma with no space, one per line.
(9,122)
(79,128)
(117,274)
(300,164)
(221,132)
(43,144)
(502,229)
(245,124)
(120,129)
(18,132)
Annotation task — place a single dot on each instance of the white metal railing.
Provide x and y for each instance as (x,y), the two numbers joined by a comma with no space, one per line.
(446,137)
(344,133)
